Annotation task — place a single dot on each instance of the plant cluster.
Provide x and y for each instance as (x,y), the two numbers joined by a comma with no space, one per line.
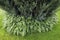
(27,16)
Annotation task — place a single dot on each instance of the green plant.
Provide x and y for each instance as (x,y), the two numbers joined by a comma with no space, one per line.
(21,26)
(25,16)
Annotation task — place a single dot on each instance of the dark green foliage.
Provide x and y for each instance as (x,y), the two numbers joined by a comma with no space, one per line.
(27,16)
(38,9)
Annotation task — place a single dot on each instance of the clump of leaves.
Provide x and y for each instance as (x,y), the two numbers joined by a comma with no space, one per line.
(18,25)
(29,16)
